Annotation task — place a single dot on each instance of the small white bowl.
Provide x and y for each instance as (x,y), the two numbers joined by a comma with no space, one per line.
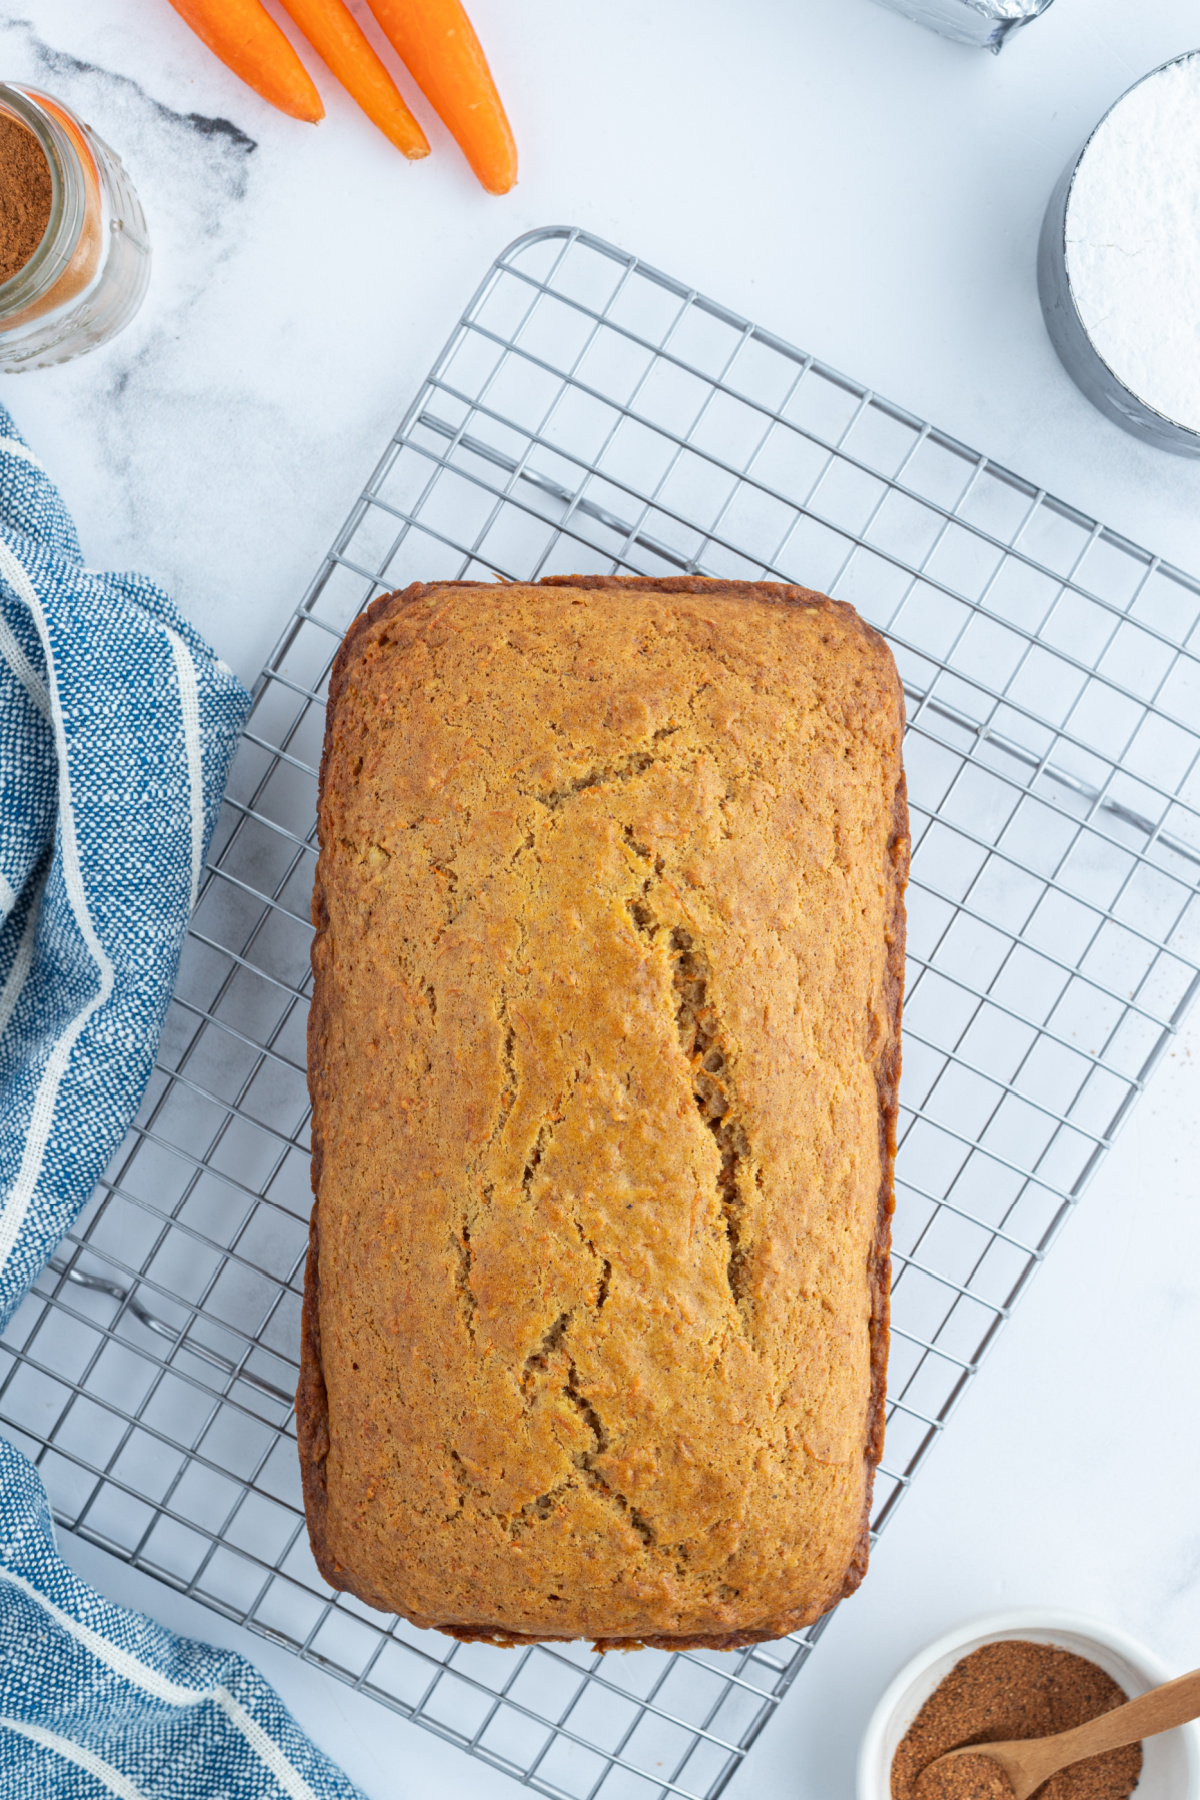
(1171,1770)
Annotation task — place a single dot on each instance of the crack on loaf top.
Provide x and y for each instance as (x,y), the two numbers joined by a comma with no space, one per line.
(604,1279)
(588,1413)
(508,1067)
(585,1460)
(538,1361)
(540,1508)
(716,1101)
(624,769)
(533,1160)
(548,1126)
(461,1240)
(643,917)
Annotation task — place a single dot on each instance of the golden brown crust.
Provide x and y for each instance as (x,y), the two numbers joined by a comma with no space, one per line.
(887,1080)
(711,1612)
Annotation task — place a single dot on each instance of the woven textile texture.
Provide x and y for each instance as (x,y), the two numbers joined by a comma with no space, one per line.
(117,726)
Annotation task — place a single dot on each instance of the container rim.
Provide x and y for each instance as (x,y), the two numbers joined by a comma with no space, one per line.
(1156,414)
(35,279)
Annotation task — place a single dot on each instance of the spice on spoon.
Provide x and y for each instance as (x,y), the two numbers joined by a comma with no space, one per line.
(969,1778)
(24,196)
(1012,1689)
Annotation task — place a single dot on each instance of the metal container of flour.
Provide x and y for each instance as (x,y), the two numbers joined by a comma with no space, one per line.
(985,23)
(1119,260)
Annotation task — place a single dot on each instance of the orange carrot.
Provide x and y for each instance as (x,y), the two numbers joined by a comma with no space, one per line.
(337,38)
(435,40)
(248,41)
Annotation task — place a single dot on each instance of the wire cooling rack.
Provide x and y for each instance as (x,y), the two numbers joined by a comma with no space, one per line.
(590,414)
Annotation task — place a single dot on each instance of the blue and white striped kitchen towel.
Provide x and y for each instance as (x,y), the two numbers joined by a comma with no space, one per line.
(117,726)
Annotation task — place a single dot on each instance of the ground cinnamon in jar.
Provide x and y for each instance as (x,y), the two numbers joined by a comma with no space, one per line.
(24,196)
(1012,1689)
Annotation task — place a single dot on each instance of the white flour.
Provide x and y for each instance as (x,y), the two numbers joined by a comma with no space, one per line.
(1133,240)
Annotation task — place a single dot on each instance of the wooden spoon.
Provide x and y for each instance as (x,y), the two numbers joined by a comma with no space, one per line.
(1028,1762)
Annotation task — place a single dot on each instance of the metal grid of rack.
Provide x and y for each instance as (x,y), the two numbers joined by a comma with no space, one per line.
(590,414)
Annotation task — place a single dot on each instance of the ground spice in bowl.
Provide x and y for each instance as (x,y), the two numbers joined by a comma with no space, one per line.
(1012,1689)
(24,196)
(967,1778)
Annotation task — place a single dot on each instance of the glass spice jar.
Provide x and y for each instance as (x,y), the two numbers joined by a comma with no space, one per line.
(88,275)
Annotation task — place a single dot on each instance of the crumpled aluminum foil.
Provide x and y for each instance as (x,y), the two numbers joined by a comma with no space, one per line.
(986,23)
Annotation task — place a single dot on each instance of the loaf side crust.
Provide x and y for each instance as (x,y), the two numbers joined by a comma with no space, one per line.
(724,1628)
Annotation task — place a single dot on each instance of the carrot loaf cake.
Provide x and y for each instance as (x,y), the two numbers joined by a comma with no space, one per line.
(603,1053)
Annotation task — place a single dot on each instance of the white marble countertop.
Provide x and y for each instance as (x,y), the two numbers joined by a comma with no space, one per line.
(863,189)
